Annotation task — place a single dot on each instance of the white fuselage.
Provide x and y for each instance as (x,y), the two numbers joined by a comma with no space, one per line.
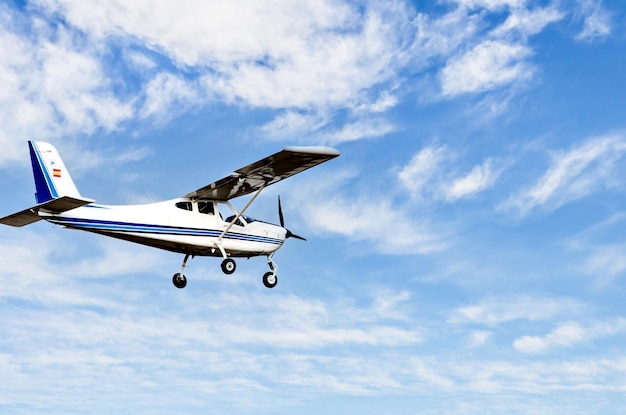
(178,225)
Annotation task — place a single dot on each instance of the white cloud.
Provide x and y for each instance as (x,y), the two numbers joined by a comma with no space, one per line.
(301,126)
(597,21)
(384,102)
(478,338)
(431,173)
(441,36)
(607,261)
(498,57)
(293,125)
(304,58)
(102,331)
(359,129)
(272,54)
(528,22)
(101,322)
(390,229)
(498,311)
(167,94)
(491,4)
(32,260)
(392,305)
(140,61)
(424,165)
(301,57)
(477,180)
(52,85)
(385,225)
(490,65)
(567,335)
(600,252)
(573,174)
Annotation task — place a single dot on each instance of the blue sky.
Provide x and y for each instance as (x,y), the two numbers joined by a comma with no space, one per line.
(465,253)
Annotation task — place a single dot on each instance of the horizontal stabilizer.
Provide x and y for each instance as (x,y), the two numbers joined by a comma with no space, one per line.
(30,215)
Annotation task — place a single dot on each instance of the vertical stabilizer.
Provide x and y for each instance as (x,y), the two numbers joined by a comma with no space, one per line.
(52,179)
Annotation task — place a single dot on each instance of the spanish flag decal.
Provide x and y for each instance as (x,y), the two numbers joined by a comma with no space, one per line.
(56,172)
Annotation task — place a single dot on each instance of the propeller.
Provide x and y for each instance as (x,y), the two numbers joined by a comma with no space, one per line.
(282,223)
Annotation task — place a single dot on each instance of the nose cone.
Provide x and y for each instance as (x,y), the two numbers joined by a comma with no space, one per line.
(275,231)
(282,232)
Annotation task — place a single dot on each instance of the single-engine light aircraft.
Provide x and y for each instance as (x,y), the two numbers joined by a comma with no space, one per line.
(192,225)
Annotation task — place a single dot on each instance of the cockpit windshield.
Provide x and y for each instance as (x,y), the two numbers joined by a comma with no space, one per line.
(248,219)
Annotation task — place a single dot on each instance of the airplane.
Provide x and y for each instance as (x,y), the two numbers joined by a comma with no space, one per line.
(192,225)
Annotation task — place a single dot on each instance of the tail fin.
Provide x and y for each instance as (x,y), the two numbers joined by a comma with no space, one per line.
(52,179)
(56,191)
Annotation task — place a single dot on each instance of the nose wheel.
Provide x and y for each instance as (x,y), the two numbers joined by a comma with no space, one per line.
(270,279)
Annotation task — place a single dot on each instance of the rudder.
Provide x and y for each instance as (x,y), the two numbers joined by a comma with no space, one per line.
(52,179)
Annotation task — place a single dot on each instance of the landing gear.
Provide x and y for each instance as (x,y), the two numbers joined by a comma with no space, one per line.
(229,266)
(179,280)
(270,280)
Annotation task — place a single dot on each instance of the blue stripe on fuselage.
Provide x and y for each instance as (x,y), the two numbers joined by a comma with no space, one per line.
(115,226)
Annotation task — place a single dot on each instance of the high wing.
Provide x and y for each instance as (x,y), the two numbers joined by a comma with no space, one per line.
(279,166)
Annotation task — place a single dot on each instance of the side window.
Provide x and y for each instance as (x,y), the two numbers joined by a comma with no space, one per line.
(183,205)
(206,208)
(230,219)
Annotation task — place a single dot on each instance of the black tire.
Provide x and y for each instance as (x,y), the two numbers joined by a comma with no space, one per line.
(270,280)
(180,281)
(229,266)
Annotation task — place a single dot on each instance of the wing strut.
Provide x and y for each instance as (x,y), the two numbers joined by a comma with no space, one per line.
(237,216)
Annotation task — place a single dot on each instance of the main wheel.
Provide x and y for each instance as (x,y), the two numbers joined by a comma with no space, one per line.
(179,280)
(229,266)
(270,280)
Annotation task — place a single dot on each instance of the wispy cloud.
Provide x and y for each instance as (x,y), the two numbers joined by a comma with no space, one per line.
(597,21)
(493,312)
(372,127)
(490,4)
(489,65)
(480,178)
(387,226)
(431,174)
(167,94)
(573,174)
(606,262)
(499,57)
(294,125)
(523,22)
(601,252)
(567,335)
(478,338)
(390,229)
(307,126)
(424,165)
